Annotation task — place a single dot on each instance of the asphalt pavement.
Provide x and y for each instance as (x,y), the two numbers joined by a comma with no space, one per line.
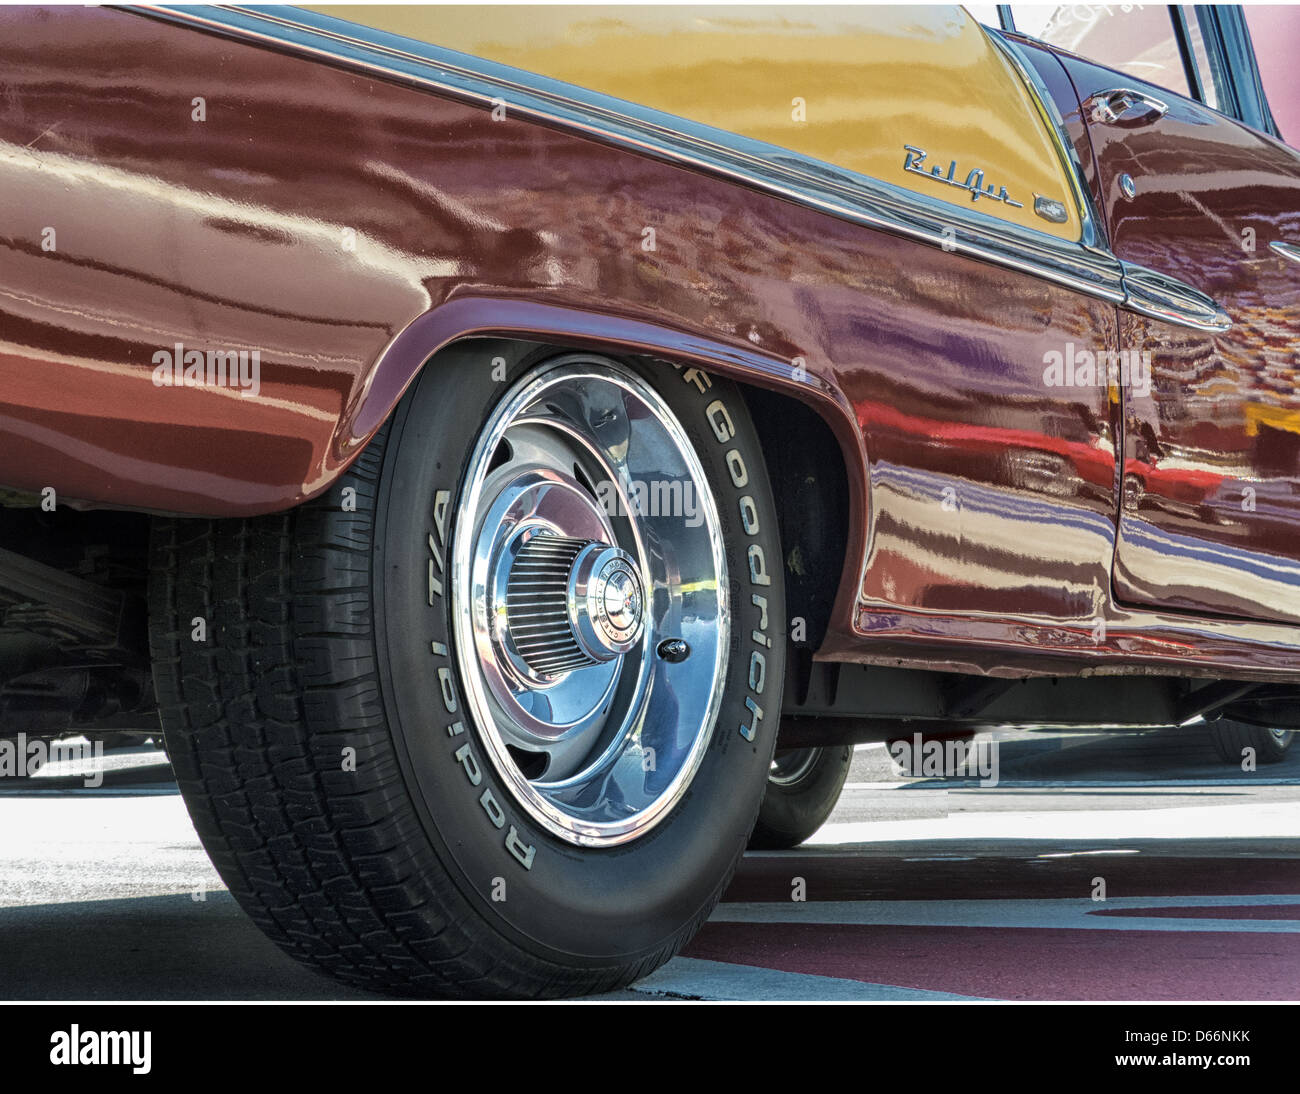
(1130,866)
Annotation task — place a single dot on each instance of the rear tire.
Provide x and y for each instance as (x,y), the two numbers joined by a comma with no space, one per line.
(1232,739)
(802,790)
(320,712)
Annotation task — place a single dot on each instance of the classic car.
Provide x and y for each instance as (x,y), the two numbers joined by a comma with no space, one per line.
(517,452)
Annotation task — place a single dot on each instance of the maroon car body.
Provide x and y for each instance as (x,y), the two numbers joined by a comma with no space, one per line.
(925,365)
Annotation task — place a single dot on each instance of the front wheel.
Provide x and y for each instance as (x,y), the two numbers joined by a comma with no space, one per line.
(493,717)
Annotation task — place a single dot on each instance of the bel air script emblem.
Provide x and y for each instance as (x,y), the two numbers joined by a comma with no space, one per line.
(973,184)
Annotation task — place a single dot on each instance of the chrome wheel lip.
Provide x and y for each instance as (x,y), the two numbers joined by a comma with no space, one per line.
(535,797)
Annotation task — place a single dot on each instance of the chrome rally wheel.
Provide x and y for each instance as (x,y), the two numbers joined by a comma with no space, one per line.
(590,600)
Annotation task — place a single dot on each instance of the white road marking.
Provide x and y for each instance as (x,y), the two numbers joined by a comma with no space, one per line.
(876,786)
(57,849)
(1071,913)
(14,791)
(698,978)
(1252,820)
(1081,784)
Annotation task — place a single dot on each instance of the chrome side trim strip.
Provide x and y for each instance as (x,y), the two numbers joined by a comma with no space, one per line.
(1286,250)
(1084,267)
(1153,294)
(776,170)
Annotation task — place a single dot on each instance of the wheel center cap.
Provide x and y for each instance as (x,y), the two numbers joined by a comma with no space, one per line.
(571,603)
(614,599)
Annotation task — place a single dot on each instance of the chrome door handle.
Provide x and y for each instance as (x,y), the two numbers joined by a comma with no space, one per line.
(1286,250)
(1124,107)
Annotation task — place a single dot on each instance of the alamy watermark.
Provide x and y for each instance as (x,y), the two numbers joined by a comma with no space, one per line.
(21,757)
(1075,367)
(237,369)
(650,498)
(937,758)
(102,1047)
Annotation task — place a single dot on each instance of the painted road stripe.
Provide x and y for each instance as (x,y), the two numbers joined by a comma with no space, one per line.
(696,978)
(1074,785)
(1015,964)
(1057,914)
(1255,820)
(89,792)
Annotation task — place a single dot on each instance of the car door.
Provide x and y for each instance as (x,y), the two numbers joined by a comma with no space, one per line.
(1210,505)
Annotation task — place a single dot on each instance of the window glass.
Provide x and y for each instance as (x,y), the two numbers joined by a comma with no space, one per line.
(1137,39)
(985,13)
(1207,71)
(1275,32)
